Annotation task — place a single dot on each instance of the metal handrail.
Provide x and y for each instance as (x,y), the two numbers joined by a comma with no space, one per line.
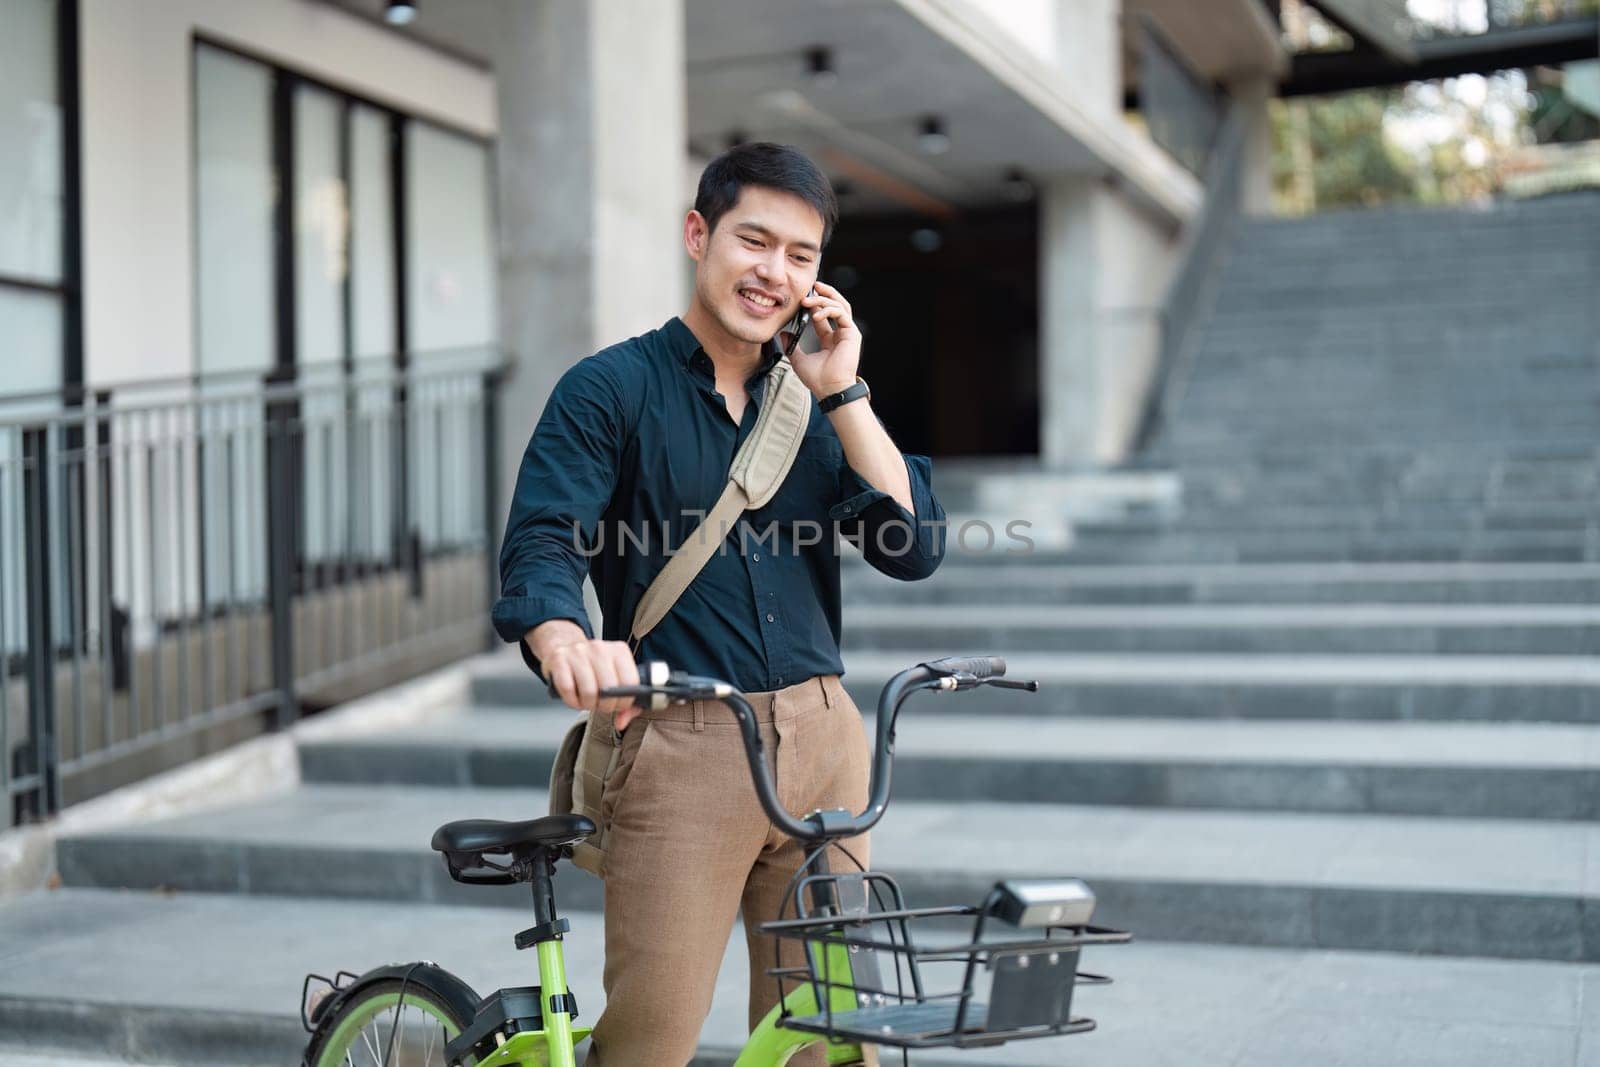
(190,552)
(355,369)
(201,391)
(1194,284)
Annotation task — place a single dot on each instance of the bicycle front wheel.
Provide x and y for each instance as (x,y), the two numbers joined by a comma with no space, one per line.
(379,1026)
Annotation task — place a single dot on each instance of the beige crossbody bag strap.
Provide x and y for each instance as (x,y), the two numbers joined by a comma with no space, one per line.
(759,468)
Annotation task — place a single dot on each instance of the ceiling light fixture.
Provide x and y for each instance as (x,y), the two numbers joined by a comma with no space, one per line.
(400,12)
(819,64)
(1018,187)
(932,137)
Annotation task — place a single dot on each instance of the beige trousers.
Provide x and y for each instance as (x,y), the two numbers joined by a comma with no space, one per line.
(688,847)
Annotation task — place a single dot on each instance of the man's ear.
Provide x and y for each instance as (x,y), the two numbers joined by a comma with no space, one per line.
(696,234)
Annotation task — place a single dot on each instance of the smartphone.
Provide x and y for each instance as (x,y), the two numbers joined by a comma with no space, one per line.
(796,327)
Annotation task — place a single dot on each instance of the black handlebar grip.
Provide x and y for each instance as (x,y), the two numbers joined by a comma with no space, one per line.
(977,666)
(652,675)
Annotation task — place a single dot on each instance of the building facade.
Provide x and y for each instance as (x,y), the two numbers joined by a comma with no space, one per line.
(283,286)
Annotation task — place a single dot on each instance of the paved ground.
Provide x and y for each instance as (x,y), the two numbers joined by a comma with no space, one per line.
(240,962)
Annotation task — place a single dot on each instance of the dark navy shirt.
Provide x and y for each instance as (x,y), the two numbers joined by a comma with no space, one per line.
(632,450)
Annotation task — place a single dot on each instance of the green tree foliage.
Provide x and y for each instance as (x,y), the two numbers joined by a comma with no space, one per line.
(1553,117)
(1521,12)
(1346,150)
(1351,162)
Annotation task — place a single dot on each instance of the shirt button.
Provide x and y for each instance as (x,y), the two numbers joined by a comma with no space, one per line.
(756,558)
(769,616)
(848,509)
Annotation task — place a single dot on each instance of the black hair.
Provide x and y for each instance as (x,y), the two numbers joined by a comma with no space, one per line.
(771,166)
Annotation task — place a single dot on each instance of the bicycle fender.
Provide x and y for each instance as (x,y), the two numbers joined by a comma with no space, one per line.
(438,980)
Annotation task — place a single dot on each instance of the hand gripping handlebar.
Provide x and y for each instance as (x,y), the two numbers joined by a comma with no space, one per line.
(665,686)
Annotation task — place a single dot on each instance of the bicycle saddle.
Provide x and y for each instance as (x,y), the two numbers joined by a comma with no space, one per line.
(494,835)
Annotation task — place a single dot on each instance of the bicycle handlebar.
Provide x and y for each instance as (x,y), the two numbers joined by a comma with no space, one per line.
(951,674)
(977,666)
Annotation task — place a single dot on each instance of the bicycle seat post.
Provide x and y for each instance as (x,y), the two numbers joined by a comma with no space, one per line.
(538,868)
(558,1007)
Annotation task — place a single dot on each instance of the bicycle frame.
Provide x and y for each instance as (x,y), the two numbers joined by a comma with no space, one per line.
(553,1045)
(770,1045)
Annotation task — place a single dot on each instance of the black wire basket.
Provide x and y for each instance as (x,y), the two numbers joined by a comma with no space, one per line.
(949,977)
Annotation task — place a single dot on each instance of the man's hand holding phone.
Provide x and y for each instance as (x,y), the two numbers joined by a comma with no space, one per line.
(833,366)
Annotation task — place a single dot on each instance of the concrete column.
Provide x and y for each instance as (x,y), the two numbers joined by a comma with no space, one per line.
(1089,47)
(1068,328)
(1255,181)
(591,188)
(1104,270)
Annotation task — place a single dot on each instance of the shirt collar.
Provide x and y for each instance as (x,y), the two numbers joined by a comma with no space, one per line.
(683,345)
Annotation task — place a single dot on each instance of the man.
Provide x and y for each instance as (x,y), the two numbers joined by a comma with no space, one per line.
(632,449)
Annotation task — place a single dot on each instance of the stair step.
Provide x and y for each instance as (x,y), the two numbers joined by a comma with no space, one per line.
(76,953)
(1454,769)
(1426,688)
(1507,888)
(1215,517)
(1283,546)
(1406,354)
(965,581)
(1418,629)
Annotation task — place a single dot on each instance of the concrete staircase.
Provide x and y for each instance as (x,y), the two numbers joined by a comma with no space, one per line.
(1328,741)
(1402,384)
(1357,847)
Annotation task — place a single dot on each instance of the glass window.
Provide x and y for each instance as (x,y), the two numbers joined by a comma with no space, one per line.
(372,327)
(450,284)
(321,246)
(234,190)
(30,129)
(236,302)
(30,325)
(450,262)
(320,227)
(372,278)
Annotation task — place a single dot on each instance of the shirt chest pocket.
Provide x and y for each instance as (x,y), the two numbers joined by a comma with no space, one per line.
(811,487)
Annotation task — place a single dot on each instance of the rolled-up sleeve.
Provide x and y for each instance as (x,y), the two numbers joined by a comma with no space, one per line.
(900,544)
(566,480)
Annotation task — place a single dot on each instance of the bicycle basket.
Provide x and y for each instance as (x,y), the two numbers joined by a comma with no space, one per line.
(948,977)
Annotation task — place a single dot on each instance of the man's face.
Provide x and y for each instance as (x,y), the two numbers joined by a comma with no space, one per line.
(752,270)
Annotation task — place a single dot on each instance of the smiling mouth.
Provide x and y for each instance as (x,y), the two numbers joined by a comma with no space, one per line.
(760,300)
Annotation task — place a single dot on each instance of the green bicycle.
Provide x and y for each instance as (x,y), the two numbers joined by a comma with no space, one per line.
(854,925)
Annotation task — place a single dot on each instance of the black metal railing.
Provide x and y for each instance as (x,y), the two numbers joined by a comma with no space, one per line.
(1204,244)
(1181,110)
(185,563)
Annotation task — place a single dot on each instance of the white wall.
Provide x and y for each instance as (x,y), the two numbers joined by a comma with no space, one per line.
(137,150)
(1089,39)
(1032,22)
(1137,258)
(1082,39)
(1104,269)
(638,235)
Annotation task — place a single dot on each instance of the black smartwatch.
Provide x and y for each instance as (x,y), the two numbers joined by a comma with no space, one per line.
(844,396)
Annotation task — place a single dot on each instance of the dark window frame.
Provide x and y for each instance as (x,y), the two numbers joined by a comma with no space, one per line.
(407,550)
(70,286)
